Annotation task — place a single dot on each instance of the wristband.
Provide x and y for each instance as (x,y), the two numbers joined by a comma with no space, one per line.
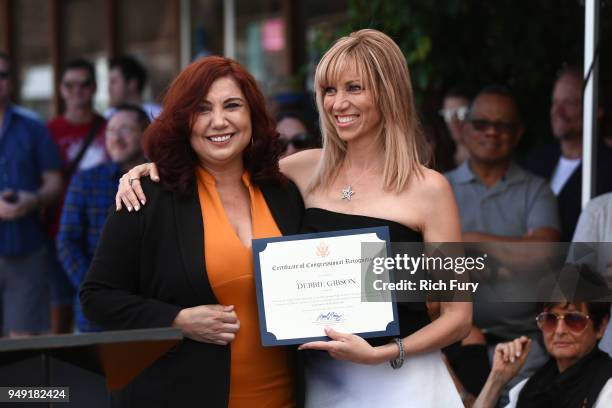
(397,362)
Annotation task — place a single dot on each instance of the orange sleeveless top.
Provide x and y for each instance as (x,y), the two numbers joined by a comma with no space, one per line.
(260,376)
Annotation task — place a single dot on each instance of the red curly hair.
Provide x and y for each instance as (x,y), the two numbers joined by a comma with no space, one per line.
(167,139)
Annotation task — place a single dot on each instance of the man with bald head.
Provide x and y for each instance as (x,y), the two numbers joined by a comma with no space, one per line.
(499,201)
(561,162)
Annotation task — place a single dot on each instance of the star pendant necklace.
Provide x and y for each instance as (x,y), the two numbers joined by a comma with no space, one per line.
(347,192)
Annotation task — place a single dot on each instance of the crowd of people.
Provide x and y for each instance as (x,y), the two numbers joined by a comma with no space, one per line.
(225,172)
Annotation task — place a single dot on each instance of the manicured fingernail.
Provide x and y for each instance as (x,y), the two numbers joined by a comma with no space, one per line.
(512,359)
(143,202)
(518,353)
(129,208)
(137,208)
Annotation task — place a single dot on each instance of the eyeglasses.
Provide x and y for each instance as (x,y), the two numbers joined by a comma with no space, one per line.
(459,113)
(482,125)
(123,131)
(575,321)
(299,141)
(4,74)
(70,85)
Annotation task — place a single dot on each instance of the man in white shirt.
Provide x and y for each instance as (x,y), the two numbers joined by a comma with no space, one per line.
(561,163)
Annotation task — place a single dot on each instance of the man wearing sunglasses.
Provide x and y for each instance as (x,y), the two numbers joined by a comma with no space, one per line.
(455,107)
(499,202)
(79,134)
(578,374)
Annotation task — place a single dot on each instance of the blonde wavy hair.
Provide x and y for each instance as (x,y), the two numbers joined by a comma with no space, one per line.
(383,70)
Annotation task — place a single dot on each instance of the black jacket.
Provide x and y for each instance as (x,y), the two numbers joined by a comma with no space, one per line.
(150,265)
(543,162)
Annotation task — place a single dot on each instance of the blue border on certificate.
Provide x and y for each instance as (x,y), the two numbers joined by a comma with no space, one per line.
(259,245)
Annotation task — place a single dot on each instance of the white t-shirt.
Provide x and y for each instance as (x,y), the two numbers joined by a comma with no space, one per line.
(565,168)
(604,399)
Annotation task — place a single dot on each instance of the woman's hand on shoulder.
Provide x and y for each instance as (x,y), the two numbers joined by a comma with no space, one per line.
(130,191)
(216,324)
(300,166)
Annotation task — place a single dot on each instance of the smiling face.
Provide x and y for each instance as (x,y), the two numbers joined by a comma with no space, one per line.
(493,129)
(349,105)
(222,128)
(567,346)
(566,108)
(123,137)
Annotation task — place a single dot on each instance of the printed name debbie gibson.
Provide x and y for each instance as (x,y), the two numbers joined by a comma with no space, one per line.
(425,284)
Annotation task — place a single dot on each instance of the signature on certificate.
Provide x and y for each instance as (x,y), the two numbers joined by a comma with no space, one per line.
(329,317)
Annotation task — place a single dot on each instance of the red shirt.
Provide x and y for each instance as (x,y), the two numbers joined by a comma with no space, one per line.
(70,137)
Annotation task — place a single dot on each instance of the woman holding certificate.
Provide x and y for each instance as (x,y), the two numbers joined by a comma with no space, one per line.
(370,173)
(169,265)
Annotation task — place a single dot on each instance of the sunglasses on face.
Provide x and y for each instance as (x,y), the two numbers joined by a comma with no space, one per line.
(4,74)
(70,85)
(299,141)
(483,125)
(457,113)
(575,321)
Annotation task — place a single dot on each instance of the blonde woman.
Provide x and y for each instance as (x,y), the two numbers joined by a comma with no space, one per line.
(370,173)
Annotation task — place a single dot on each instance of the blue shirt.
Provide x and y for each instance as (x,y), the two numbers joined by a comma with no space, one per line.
(26,151)
(90,195)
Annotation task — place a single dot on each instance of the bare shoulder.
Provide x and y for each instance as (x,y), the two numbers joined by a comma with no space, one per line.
(299,167)
(433,200)
(431,186)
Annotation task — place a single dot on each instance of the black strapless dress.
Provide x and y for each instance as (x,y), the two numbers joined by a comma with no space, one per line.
(412,316)
(423,380)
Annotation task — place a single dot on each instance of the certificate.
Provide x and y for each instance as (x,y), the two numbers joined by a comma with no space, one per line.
(308,282)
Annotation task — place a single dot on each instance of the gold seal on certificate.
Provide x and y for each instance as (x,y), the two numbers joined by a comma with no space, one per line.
(308,282)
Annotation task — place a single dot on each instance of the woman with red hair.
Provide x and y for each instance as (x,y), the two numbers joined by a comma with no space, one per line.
(371,173)
(217,153)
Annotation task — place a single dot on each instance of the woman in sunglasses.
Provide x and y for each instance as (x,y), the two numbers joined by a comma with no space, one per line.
(293,133)
(578,373)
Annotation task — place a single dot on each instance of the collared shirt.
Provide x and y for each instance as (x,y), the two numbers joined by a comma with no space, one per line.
(516,204)
(90,195)
(26,152)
